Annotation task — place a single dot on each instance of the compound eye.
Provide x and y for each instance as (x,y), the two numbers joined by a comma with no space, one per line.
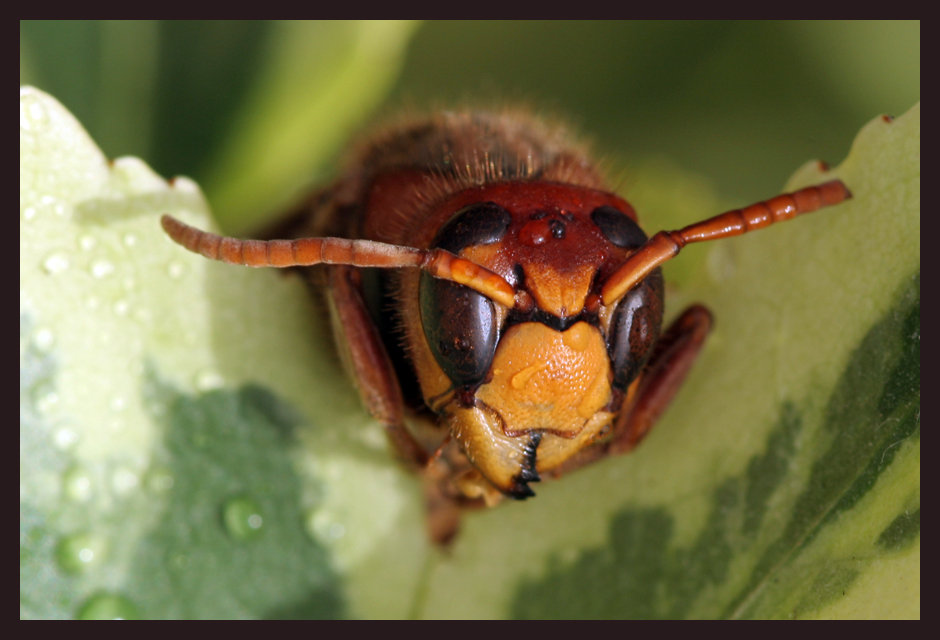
(459,323)
(480,223)
(619,229)
(460,327)
(634,329)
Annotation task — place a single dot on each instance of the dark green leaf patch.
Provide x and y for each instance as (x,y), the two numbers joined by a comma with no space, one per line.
(230,543)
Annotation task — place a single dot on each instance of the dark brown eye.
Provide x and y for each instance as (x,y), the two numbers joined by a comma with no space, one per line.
(460,327)
(480,223)
(634,329)
(459,323)
(618,228)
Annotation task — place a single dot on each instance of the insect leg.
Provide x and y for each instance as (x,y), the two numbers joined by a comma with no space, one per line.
(672,359)
(368,362)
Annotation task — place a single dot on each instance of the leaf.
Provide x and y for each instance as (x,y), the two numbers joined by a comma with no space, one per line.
(165,409)
(156,480)
(791,456)
(321,80)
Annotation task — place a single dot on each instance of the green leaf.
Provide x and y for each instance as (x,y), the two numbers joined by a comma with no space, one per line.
(158,478)
(791,456)
(185,452)
(321,80)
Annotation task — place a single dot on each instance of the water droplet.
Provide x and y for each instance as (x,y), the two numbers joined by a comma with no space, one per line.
(120,307)
(29,213)
(101,268)
(129,240)
(56,262)
(47,402)
(44,396)
(77,485)
(118,404)
(87,243)
(80,552)
(242,518)
(208,380)
(108,606)
(43,339)
(65,438)
(176,270)
(123,481)
(322,525)
(159,480)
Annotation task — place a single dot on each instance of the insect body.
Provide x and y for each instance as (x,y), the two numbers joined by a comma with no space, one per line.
(523,299)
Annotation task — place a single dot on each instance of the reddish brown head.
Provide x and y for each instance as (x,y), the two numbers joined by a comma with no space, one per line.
(536,383)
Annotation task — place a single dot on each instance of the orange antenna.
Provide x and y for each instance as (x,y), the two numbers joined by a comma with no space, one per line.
(305,252)
(667,244)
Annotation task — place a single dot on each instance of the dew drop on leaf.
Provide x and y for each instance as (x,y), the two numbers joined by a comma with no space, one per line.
(322,526)
(124,480)
(108,606)
(43,339)
(44,396)
(65,438)
(55,262)
(59,208)
(87,243)
(207,380)
(159,480)
(77,484)
(80,552)
(101,268)
(242,518)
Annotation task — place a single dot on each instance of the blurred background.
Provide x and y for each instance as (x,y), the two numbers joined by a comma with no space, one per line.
(257,111)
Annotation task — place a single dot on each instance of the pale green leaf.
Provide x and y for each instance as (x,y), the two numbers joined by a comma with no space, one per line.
(141,447)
